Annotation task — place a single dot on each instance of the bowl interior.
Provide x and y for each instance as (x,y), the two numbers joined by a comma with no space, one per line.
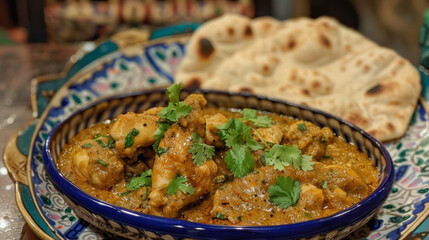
(108,108)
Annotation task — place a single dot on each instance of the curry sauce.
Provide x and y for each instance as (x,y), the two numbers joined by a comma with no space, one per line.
(193,171)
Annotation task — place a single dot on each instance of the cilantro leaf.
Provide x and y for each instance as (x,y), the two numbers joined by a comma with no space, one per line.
(170,114)
(281,156)
(173,92)
(220,216)
(277,157)
(174,111)
(129,141)
(285,192)
(303,163)
(144,180)
(324,184)
(102,162)
(175,108)
(101,143)
(111,143)
(236,133)
(98,135)
(87,145)
(200,152)
(239,160)
(159,151)
(259,121)
(302,127)
(159,133)
(179,183)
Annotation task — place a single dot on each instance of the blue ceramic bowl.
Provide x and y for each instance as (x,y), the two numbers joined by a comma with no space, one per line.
(130,224)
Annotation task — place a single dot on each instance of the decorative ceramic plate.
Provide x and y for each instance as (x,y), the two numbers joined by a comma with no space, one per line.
(121,64)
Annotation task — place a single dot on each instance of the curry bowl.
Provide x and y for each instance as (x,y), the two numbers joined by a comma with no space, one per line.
(135,225)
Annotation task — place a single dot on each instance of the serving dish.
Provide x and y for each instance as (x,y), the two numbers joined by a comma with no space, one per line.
(135,225)
(51,218)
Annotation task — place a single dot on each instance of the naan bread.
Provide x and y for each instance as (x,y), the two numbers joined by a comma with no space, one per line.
(318,63)
(219,39)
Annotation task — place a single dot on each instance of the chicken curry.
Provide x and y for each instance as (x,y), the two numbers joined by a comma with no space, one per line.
(218,166)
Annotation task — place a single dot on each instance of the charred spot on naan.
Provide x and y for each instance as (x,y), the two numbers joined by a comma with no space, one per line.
(193,83)
(376,90)
(315,85)
(205,48)
(289,45)
(246,90)
(357,118)
(366,68)
(306,92)
(348,48)
(248,32)
(390,126)
(327,26)
(230,31)
(324,41)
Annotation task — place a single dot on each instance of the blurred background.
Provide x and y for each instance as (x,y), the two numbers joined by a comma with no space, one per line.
(391,23)
(37,37)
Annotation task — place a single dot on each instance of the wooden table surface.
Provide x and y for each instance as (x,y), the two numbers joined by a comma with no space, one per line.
(18,65)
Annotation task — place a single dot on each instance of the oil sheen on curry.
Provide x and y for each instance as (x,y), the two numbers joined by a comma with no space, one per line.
(218,166)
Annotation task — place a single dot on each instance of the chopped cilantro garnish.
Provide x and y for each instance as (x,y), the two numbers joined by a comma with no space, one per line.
(159,133)
(102,162)
(87,145)
(239,160)
(236,133)
(129,140)
(308,215)
(220,216)
(179,183)
(160,151)
(146,195)
(239,218)
(326,156)
(237,136)
(324,184)
(262,159)
(174,111)
(111,143)
(302,127)
(303,163)
(285,192)
(125,193)
(144,180)
(280,156)
(259,121)
(323,140)
(101,143)
(171,113)
(200,152)
(98,135)
(175,108)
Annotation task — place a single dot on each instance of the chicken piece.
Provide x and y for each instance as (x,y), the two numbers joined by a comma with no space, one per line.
(177,160)
(212,121)
(273,134)
(146,125)
(247,197)
(308,137)
(100,166)
(345,178)
(339,199)
(311,198)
